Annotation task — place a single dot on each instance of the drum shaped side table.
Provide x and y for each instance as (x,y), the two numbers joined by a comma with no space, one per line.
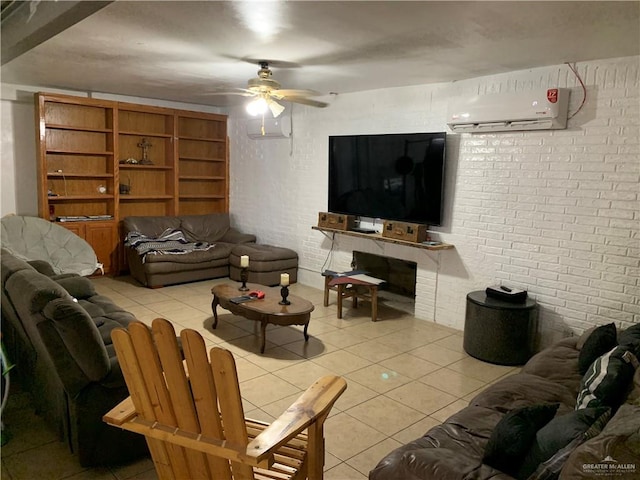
(500,332)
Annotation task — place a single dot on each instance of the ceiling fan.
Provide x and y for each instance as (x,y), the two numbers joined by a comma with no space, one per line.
(266,91)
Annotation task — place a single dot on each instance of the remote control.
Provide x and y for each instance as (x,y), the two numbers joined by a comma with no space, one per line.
(506,289)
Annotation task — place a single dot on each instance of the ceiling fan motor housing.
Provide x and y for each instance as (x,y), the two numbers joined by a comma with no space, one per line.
(263,84)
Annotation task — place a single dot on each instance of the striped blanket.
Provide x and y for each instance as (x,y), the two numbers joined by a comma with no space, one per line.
(171,241)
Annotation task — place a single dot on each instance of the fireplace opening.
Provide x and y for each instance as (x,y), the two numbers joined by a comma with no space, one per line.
(399,289)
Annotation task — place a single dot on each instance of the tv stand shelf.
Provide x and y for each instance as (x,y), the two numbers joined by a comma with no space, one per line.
(379,238)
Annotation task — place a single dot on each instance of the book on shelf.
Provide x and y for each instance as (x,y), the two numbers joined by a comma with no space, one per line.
(83,218)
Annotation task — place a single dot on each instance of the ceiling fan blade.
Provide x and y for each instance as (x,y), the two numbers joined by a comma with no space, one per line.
(285,92)
(306,101)
(236,91)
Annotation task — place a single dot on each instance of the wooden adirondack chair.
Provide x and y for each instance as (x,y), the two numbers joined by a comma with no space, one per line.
(191,412)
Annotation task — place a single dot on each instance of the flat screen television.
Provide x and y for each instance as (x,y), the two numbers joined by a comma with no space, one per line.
(388,176)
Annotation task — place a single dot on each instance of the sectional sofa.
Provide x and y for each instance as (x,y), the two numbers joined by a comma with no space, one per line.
(206,240)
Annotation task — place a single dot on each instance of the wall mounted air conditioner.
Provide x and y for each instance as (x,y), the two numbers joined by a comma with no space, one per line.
(534,110)
(271,127)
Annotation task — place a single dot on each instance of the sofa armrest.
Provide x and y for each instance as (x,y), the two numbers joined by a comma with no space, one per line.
(235,236)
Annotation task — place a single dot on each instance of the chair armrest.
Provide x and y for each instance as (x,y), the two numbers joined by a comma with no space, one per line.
(234,236)
(313,405)
(121,413)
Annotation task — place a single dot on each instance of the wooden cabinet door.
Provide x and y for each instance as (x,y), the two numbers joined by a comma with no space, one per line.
(73,227)
(102,237)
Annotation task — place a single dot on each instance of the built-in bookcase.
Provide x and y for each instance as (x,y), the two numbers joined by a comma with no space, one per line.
(150,182)
(203,167)
(100,161)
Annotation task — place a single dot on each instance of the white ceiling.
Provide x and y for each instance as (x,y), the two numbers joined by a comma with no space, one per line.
(183,51)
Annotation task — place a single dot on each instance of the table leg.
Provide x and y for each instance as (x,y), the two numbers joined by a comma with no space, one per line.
(214,308)
(340,295)
(327,279)
(306,335)
(263,335)
(373,291)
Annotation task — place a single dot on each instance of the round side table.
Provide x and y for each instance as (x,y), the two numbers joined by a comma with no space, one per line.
(500,332)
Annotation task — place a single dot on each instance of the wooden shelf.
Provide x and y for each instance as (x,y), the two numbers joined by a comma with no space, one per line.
(196,197)
(200,177)
(75,198)
(79,152)
(202,159)
(379,238)
(127,198)
(199,139)
(55,126)
(133,166)
(78,175)
(146,134)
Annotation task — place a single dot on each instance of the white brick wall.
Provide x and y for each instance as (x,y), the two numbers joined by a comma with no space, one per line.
(554,212)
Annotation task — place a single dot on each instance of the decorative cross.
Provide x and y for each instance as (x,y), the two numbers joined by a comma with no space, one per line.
(144,145)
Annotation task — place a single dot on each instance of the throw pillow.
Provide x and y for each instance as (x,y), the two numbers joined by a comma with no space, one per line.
(601,340)
(630,336)
(557,434)
(513,435)
(607,379)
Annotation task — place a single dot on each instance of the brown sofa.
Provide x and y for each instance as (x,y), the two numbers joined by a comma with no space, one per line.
(169,269)
(456,448)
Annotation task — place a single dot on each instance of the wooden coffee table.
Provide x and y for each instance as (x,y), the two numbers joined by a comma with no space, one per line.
(265,311)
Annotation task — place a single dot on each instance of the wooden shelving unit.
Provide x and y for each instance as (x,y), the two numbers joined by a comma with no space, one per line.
(85,147)
(151,184)
(379,238)
(202,163)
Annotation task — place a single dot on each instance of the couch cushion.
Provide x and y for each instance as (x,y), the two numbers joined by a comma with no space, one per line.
(11,264)
(558,433)
(601,340)
(33,291)
(80,337)
(106,315)
(217,252)
(43,267)
(523,389)
(558,364)
(205,228)
(150,226)
(514,434)
(78,287)
(619,439)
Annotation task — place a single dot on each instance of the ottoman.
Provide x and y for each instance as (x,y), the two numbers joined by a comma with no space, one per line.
(266,263)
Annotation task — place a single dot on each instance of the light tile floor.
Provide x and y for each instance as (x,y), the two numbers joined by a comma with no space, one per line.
(404,375)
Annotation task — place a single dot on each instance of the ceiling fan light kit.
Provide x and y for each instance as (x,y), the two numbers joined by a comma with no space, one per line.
(257,106)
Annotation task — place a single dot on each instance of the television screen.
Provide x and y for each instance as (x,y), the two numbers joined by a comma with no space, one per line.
(389,176)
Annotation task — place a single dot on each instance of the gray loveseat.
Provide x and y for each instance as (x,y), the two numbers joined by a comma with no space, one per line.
(156,270)
(57,331)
